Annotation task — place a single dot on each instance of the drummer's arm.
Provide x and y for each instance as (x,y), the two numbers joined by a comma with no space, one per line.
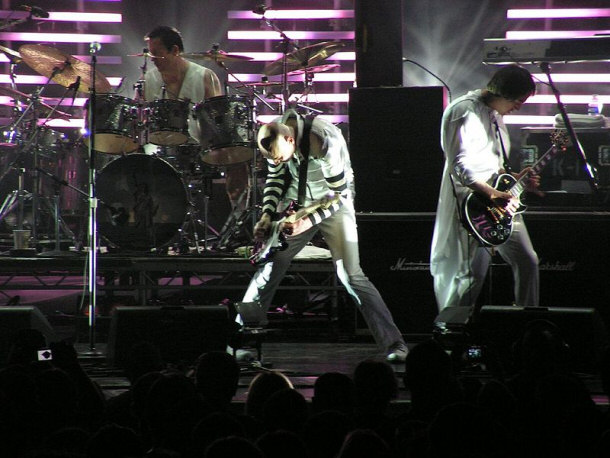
(212,84)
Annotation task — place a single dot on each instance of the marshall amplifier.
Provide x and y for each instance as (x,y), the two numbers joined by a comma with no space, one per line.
(394,254)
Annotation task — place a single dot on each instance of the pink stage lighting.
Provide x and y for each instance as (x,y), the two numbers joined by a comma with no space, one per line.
(557,13)
(551,34)
(293,34)
(59,37)
(65,16)
(293,14)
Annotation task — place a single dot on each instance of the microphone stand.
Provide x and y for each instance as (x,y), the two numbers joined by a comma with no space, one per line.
(286,44)
(546,68)
(93,49)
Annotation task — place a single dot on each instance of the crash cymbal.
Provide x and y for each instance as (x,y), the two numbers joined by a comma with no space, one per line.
(27,98)
(309,56)
(216,55)
(64,68)
(12,55)
(316,69)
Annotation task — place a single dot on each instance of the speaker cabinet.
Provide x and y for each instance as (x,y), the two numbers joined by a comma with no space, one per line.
(180,333)
(573,248)
(394,253)
(581,328)
(14,319)
(395,147)
(378,42)
(499,327)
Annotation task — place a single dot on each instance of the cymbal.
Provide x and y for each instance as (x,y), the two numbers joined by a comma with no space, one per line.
(263,84)
(26,98)
(316,69)
(12,55)
(309,56)
(147,54)
(216,55)
(46,61)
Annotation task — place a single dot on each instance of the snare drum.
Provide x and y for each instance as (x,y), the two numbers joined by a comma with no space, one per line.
(225,129)
(167,123)
(116,121)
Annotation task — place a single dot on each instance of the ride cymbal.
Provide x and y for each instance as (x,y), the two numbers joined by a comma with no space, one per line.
(316,69)
(62,68)
(309,56)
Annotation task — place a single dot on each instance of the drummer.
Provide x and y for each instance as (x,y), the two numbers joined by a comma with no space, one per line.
(174,77)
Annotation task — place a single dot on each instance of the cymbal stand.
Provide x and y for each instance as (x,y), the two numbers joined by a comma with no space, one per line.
(287,43)
(93,50)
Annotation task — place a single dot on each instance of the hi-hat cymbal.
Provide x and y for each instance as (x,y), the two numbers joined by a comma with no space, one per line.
(309,56)
(63,68)
(216,55)
(316,69)
(12,55)
(26,99)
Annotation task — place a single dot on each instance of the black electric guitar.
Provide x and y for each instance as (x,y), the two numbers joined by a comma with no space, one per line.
(276,240)
(491,224)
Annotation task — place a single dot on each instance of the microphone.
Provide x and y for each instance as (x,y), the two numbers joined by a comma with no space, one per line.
(260,9)
(94,47)
(34,10)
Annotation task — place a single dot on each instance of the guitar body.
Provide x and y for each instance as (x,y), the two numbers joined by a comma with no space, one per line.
(490,224)
(276,240)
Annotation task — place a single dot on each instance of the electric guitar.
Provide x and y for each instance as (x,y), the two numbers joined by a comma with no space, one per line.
(276,240)
(491,224)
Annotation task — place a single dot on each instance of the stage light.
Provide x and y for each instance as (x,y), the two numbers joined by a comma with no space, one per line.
(557,13)
(59,37)
(293,34)
(293,14)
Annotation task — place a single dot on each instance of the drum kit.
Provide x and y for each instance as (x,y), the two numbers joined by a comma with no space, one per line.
(146,200)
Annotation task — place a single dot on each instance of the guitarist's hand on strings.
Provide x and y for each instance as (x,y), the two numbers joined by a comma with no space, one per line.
(297,227)
(501,199)
(532,181)
(261,228)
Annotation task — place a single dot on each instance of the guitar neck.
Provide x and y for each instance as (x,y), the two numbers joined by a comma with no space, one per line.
(517,189)
(306,211)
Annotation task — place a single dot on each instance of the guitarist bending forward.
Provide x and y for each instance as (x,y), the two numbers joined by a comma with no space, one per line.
(328,171)
(476,145)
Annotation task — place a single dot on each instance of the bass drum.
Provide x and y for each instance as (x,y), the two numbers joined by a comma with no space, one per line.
(143,202)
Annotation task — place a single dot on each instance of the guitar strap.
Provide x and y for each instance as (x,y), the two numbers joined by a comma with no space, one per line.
(504,155)
(304,147)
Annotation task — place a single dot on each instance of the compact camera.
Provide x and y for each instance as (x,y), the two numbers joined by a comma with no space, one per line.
(45,354)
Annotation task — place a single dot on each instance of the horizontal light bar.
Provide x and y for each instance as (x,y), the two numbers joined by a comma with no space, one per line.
(293,14)
(568,99)
(273,56)
(83,17)
(557,13)
(59,37)
(103,60)
(335,119)
(574,77)
(325,76)
(550,34)
(529,120)
(72,123)
(293,34)
(38,79)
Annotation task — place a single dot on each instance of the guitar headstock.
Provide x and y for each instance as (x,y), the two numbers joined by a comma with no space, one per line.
(560,139)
